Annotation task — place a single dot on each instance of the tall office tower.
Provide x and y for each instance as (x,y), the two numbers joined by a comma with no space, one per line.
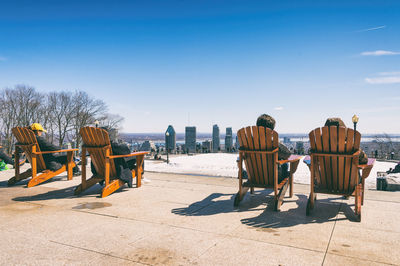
(228,139)
(215,138)
(190,139)
(170,140)
(237,144)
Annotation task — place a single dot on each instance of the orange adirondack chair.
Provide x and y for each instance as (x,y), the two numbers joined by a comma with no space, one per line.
(26,141)
(97,142)
(259,151)
(334,165)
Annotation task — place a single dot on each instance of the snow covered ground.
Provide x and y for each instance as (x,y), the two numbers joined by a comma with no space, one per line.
(223,164)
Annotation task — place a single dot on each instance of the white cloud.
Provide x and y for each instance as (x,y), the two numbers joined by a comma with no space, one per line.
(374,28)
(379,53)
(383,80)
(279,108)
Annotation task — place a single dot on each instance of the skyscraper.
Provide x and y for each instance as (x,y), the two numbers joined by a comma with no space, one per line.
(190,139)
(215,138)
(170,140)
(228,139)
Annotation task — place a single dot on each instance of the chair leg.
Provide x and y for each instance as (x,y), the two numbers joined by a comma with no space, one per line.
(19,177)
(110,188)
(311,202)
(362,191)
(139,169)
(358,199)
(280,196)
(240,195)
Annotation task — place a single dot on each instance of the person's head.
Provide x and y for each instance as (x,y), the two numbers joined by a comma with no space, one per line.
(37,129)
(112,133)
(265,120)
(334,121)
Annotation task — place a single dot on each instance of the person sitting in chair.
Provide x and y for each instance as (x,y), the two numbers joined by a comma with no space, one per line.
(284,153)
(53,161)
(124,166)
(8,159)
(335,121)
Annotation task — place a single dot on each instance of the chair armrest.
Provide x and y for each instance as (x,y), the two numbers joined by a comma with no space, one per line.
(47,152)
(128,155)
(292,158)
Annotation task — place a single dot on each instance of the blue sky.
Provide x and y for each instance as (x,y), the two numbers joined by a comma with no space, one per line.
(204,62)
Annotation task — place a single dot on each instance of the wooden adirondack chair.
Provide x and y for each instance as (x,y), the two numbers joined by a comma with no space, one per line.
(26,141)
(259,151)
(334,165)
(97,142)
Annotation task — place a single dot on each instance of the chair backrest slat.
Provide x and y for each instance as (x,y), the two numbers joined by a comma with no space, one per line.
(26,137)
(333,137)
(337,172)
(97,141)
(341,160)
(260,166)
(263,146)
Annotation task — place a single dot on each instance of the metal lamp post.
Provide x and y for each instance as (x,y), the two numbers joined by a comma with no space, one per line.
(355,121)
(166,144)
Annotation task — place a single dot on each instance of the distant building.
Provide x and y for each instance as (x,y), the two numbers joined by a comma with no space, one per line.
(215,138)
(148,145)
(228,139)
(300,147)
(286,140)
(237,144)
(190,139)
(170,140)
(206,146)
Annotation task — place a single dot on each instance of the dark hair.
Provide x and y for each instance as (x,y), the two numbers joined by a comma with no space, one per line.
(108,129)
(334,121)
(265,120)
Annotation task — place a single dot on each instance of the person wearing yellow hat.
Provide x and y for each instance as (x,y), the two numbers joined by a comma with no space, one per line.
(38,127)
(53,161)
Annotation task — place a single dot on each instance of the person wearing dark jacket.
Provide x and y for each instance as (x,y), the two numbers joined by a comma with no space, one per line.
(53,161)
(7,159)
(335,121)
(284,153)
(124,166)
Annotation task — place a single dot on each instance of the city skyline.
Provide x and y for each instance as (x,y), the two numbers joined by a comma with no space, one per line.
(202,63)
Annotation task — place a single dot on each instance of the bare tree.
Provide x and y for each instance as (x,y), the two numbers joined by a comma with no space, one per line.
(61,113)
(112,121)
(19,107)
(86,111)
(62,110)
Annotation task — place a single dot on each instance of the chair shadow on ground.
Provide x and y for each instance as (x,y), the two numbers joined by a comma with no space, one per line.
(64,193)
(325,210)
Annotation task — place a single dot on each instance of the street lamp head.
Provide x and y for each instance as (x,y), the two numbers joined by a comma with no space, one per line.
(96,123)
(355,119)
(167,134)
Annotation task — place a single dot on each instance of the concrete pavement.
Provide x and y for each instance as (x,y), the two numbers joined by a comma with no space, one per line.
(190,220)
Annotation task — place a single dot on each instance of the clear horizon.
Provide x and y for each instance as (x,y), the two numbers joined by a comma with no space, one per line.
(202,63)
